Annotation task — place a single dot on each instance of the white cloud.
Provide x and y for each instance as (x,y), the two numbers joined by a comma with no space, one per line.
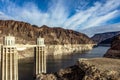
(101,29)
(58,13)
(96,15)
(55,16)
(80,17)
(109,6)
(100,20)
(4,17)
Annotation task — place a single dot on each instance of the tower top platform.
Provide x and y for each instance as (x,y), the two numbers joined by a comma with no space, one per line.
(40,41)
(9,40)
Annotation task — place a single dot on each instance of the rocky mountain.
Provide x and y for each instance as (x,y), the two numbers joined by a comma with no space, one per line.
(107,41)
(26,33)
(101,37)
(114,51)
(87,69)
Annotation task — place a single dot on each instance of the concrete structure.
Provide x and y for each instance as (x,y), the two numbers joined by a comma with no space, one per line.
(40,57)
(9,59)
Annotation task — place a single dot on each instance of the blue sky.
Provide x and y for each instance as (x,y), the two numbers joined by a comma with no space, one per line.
(79,15)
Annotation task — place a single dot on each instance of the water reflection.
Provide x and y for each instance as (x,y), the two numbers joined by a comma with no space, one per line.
(54,63)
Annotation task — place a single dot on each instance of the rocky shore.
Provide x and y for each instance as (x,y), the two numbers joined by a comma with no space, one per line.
(87,69)
(58,50)
(91,69)
(114,51)
(67,49)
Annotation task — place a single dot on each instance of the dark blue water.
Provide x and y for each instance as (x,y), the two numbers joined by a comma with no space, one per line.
(54,63)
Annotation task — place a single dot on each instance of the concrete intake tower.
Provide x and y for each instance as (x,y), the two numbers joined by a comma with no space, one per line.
(9,59)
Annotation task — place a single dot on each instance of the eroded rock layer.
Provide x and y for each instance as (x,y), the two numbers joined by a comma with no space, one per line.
(114,51)
(87,69)
(57,40)
(26,33)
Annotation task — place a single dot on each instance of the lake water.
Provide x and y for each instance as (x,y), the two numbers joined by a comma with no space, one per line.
(54,63)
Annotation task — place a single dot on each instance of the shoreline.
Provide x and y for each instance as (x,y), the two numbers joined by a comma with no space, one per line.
(56,50)
(87,69)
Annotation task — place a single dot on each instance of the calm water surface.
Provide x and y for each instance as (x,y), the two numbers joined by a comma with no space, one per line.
(54,63)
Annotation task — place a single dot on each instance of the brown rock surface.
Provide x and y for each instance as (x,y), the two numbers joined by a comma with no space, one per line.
(57,40)
(88,69)
(116,43)
(101,37)
(114,51)
(27,33)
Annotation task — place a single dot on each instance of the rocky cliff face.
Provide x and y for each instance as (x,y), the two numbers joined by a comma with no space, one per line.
(67,49)
(57,50)
(27,33)
(57,40)
(87,69)
(101,37)
(107,41)
(114,51)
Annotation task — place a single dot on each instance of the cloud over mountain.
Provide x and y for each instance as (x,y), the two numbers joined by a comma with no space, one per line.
(77,15)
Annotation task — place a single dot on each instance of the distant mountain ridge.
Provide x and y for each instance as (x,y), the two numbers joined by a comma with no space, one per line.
(104,38)
(107,41)
(102,29)
(26,33)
